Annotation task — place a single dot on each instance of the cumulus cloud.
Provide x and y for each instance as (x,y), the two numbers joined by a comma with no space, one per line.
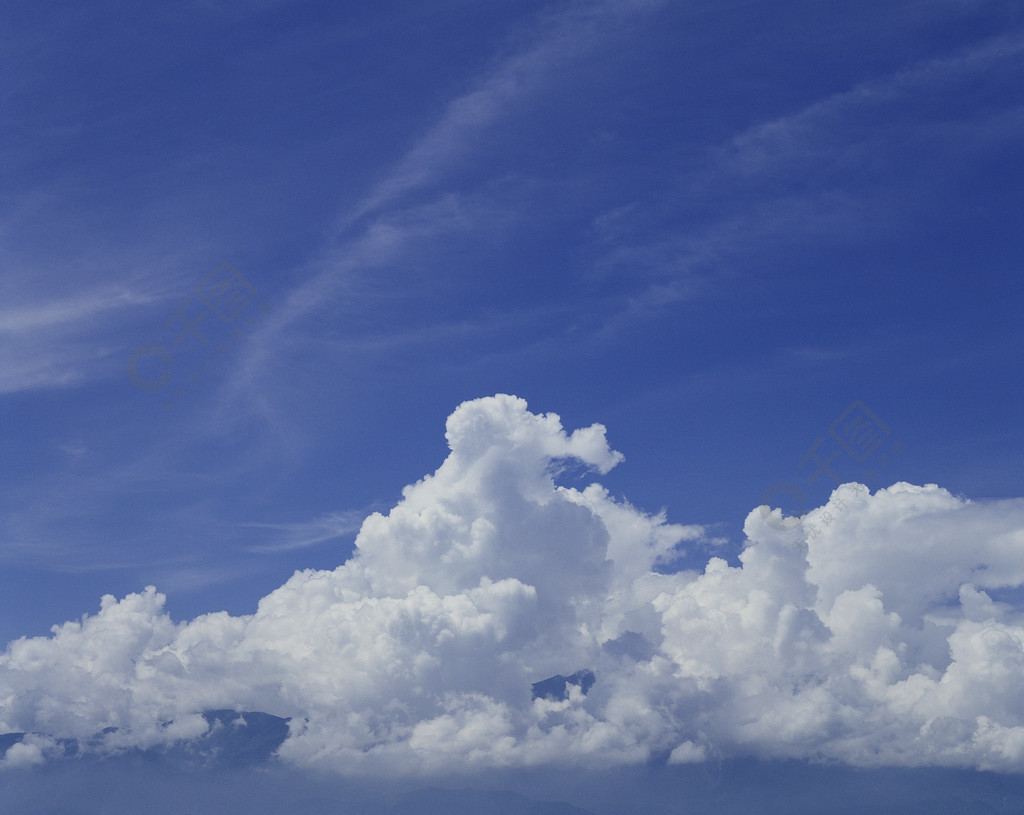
(874,630)
(28,751)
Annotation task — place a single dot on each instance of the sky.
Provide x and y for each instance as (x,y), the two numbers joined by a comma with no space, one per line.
(362,366)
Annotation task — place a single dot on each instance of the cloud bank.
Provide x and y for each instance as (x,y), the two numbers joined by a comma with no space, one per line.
(875,630)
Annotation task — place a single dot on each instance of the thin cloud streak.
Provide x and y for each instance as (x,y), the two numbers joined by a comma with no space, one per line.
(291,536)
(570,35)
(759,147)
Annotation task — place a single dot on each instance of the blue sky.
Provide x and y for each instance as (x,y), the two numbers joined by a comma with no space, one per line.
(714,228)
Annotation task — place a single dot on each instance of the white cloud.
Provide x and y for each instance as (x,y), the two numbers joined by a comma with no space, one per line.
(687,753)
(29,752)
(863,632)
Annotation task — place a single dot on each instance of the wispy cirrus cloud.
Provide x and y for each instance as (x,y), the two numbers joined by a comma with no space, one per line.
(71,309)
(823,128)
(409,205)
(285,537)
(566,37)
(47,343)
(64,314)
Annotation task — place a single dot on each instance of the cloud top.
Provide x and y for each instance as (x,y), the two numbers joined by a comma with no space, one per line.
(877,629)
